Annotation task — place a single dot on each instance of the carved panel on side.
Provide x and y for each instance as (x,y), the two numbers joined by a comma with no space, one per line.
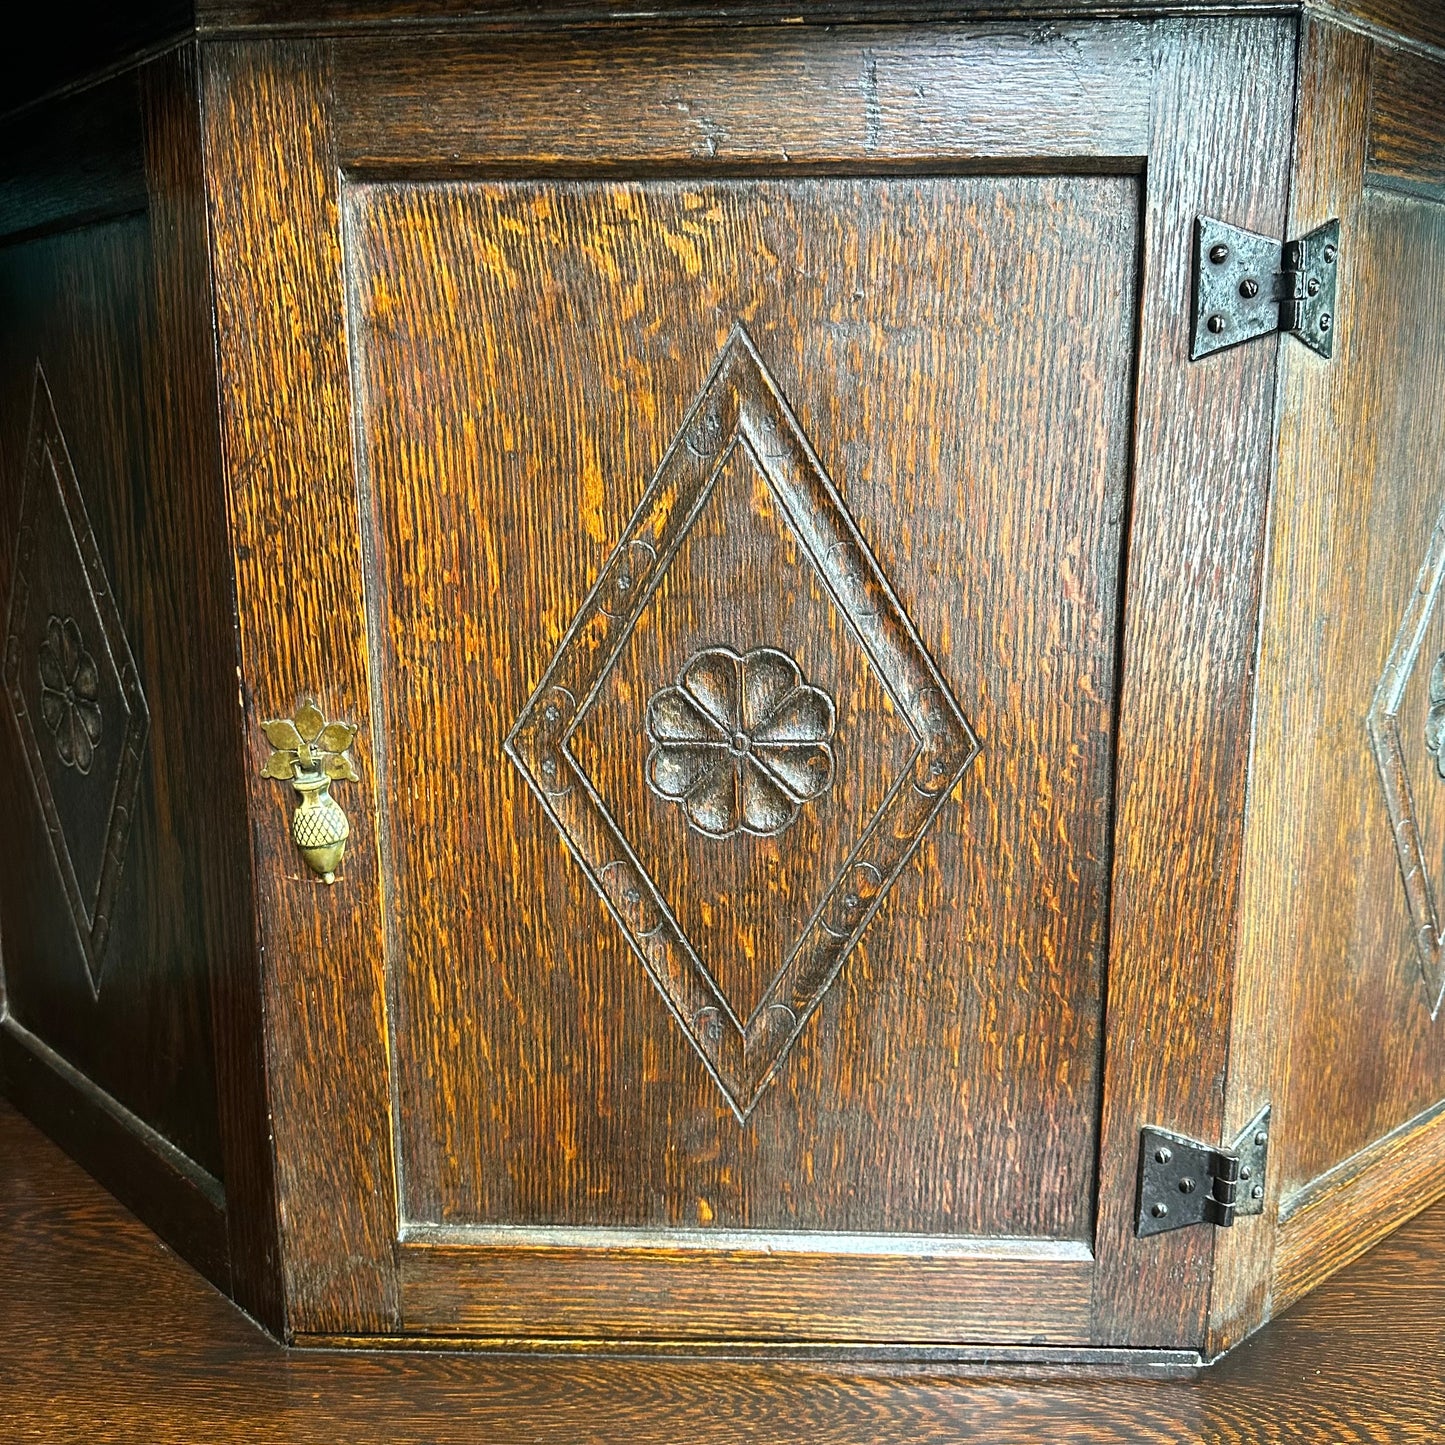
(1398,738)
(72,684)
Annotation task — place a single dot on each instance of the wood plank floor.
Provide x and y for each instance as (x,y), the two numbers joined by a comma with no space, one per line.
(105,1336)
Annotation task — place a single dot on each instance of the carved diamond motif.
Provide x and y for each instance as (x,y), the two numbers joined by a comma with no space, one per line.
(1385,722)
(741,405)
(73,687)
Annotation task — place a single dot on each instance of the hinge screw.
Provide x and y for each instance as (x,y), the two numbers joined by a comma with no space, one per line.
(1246,1172)
(1163,1156)
(1325,320)
(1257,1192)
(1219,254)
(1261,1138)
(1159,1211)
(1216,324)
(1329,255)
(1249,288)
(1186,1186)
(1313,286)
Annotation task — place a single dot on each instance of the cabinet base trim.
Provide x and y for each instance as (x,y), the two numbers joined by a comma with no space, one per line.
(1337,1217)
(738,1298)
(166,1189)
(871,1357)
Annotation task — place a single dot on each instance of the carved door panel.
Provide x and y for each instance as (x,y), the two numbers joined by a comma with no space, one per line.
(748,435)
(747,600)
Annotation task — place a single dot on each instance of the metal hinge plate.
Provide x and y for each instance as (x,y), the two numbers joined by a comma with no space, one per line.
(1183,1182)
(1246,285)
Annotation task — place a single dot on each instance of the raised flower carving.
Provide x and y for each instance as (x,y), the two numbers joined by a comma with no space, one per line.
(741,742)
(69,694)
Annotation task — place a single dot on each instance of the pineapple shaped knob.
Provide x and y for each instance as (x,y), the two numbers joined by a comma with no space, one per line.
(310,753)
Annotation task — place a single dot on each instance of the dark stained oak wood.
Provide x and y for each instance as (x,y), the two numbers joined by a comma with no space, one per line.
(184,1204)
(1202,459)
(1419,20)
(1358,1005)
(75,161)
(515,381)
(806,1289)
(890,1111)
(107,293)
(1347,1210)
(856,97)
(106,1337)
(187,423)
(284,384)
(1335,88)
(1407,122)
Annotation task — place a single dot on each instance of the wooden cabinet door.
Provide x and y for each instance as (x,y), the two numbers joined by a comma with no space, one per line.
(765,836)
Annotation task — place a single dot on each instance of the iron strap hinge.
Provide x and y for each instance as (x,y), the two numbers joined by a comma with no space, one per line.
(1247,285)
(1183,1182)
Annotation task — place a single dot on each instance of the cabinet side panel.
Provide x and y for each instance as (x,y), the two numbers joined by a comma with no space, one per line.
(187,430)
(1358,638)
(124,884)
(1334,90)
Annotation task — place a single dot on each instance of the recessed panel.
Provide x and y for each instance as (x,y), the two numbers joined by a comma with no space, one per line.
(745,614)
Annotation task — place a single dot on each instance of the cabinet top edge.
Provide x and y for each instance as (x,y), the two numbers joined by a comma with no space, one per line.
(69,46)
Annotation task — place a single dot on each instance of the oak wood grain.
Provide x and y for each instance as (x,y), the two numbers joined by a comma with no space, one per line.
(748,1288)
(188,430)
(1407,122)
(1419,20)
(1276,917)
(109,294)
(1348,1210)
(106,339)
(284,383)
(893,1110)
(780,99)
(107,1337)
(1202,460)
(1358,1001)
(184,1204)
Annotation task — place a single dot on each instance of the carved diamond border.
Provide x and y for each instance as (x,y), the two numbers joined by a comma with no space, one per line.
(741,405)
(46,452)
(1384,727)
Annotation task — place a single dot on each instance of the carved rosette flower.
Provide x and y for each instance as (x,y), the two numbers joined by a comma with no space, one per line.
(741,742)
(1435,722)
(69,694)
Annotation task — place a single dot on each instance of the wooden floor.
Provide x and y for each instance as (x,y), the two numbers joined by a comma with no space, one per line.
(105,1336)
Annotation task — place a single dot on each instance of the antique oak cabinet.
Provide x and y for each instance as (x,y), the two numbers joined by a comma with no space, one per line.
(717,680)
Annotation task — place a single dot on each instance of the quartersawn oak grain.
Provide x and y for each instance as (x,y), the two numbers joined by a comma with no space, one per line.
(1202,458)
(105,285)
(1356,1006)
(376,225)
(1407,122)
(291,493)
(894,1107)
(789,99)
(1276,921)
(92,1297)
